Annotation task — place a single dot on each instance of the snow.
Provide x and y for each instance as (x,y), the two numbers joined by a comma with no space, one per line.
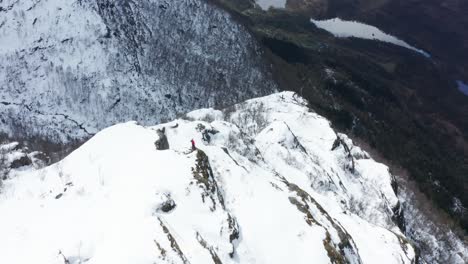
(345,29)
(462,87)
(274,192)
(266,4)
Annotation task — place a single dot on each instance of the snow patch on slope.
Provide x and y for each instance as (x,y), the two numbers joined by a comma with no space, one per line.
(266,4)
(271,182)
(345,29)
(462,87)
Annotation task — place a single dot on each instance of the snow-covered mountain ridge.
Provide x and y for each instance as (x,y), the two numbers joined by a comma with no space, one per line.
(71,68)
(270,182)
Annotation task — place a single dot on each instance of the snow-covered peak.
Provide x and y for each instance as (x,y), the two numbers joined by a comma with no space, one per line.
(269,182)
(345,29)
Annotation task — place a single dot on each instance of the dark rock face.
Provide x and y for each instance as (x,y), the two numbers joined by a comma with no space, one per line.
(168,206)
(90,64)
(162,143)
(21,162)
(399,217)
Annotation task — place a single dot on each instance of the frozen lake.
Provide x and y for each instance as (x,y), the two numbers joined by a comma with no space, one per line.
(345,29)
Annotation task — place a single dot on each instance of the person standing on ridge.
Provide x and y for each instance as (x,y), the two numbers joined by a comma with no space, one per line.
(193,145)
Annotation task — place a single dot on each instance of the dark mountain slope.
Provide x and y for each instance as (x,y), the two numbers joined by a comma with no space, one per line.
(402,103)
(440,27)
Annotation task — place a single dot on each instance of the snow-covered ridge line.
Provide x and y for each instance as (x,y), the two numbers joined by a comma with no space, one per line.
(270,182)
(345,29)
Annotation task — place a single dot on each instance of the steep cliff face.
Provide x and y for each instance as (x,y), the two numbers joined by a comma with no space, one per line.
(270,182)
(70,68)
